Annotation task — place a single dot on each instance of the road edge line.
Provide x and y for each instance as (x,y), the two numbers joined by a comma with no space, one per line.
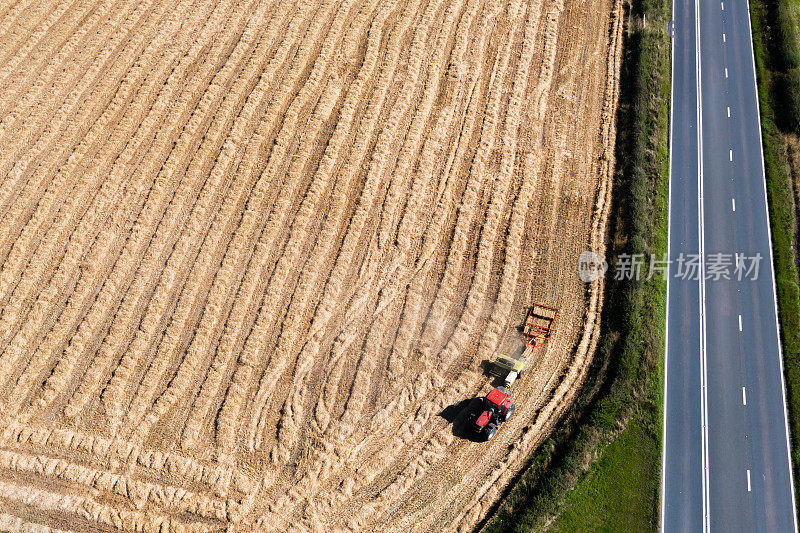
(702,284)
(666,303)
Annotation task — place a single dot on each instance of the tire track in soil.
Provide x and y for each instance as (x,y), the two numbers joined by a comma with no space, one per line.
(412,137)
(157,256)
(48,90)
(163,328)
(241,379)
(95,322)
(33,171)
(164,211)
(381,156)
(209,329)
(220,369)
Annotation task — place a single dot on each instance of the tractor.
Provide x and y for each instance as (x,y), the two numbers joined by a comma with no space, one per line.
(495,408)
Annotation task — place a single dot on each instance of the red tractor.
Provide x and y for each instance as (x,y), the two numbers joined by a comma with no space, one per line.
(495,409)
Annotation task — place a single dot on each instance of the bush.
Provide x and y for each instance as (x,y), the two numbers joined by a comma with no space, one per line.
(785,92)
(778,21)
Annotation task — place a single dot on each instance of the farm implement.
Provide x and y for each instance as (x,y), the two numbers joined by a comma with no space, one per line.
(539,325)
(536,330)
(498,406)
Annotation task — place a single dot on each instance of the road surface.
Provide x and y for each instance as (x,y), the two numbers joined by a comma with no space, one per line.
(726,451)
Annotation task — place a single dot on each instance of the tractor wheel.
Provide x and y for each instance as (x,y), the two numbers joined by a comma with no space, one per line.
(491,429)
(509,412)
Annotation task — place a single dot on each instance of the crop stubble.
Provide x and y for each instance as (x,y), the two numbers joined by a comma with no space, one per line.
(252,253)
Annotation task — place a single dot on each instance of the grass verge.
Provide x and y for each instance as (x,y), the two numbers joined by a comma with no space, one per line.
(610,443)
(776,42)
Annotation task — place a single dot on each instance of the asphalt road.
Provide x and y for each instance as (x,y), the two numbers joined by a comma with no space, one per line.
(726,453)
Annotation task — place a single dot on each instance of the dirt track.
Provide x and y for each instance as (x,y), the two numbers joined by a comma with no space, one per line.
(253,253)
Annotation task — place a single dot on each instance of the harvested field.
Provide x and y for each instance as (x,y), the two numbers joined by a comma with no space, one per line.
(253,253)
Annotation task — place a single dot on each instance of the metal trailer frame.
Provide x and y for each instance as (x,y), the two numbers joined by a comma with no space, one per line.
(538,324)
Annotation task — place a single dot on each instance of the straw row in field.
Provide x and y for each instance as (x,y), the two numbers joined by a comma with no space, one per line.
(253,251)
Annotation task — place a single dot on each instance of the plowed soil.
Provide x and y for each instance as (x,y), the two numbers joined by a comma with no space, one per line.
(254,254)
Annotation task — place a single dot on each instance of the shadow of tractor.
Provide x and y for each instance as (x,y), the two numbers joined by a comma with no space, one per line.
(458,415)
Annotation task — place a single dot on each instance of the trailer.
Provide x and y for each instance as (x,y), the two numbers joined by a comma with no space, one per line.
(537,328)
(538,324)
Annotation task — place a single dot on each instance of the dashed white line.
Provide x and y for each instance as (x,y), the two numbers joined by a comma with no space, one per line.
(749,488)
(730,155)
(729,111)
(722,5)
(772,276)
(740,322)
(744,396)
(726,72)
(733,204)
(723,38)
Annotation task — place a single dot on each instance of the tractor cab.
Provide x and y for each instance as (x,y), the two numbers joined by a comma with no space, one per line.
(497,398)
(495,409)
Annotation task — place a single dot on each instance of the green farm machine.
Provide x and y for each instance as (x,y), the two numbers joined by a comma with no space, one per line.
(537,328)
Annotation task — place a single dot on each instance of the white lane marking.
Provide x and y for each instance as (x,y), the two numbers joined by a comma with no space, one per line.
(701,218)
(733,204)
(748,480)
(744,396)
(726,72)
(730,155)
(729,111)
(740,322)
(722,5)
(772,274)
(723,38)
(666,325)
